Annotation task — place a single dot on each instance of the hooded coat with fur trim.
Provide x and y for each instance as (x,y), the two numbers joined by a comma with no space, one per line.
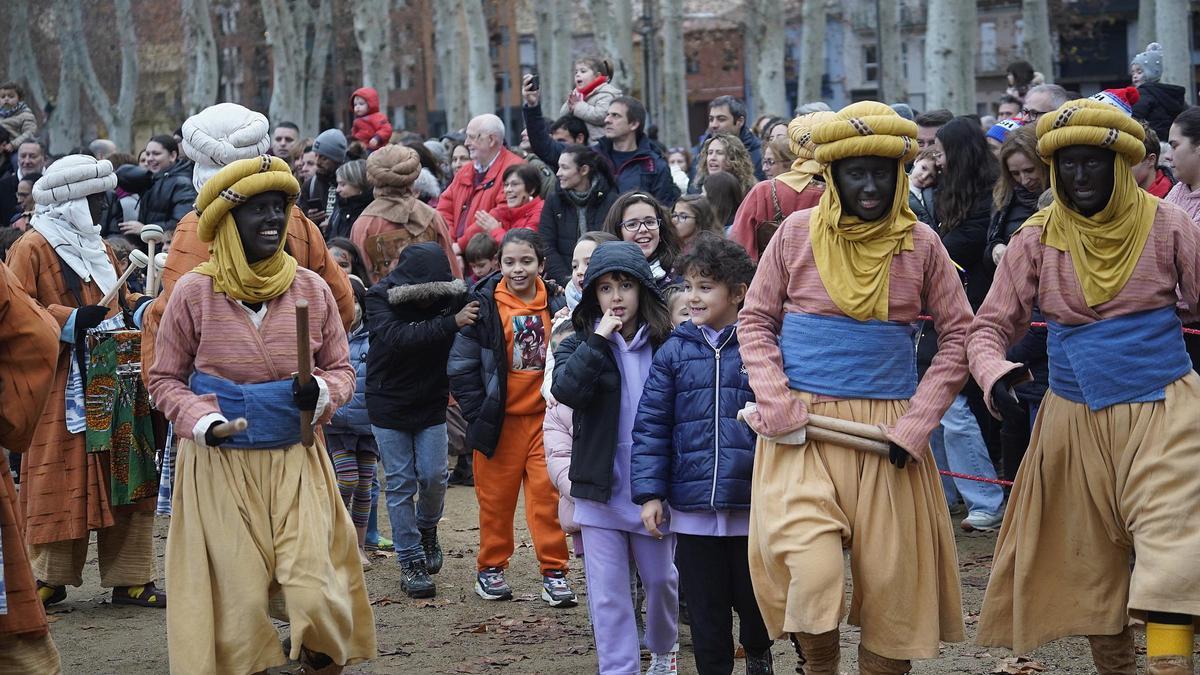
(410,314)
(373,129)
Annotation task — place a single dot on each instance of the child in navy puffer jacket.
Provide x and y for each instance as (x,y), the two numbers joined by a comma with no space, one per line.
(348,436)
(690,451)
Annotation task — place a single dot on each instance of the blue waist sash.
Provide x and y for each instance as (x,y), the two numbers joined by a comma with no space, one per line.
(845,358)
(1126,359)
(268,407)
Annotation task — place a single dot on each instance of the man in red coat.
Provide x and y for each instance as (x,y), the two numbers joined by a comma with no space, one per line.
(477,186)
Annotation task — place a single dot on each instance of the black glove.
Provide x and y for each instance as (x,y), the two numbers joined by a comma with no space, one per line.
(897,455)
(1004,400)
(305,395)
(87,318)
(211,440)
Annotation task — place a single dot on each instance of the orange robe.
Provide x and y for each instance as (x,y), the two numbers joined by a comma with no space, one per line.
(28,343)
(64,490)
(304,243)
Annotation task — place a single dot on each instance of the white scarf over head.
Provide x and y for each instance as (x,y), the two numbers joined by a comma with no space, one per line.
(222,134)
(62,216)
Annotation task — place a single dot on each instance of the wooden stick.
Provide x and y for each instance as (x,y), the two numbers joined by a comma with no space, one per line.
(151,236)
(230,428)
(868,431)
(846,440)
(304,369)
(137,260)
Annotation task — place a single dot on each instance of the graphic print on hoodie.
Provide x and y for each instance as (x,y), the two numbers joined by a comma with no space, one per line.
(529,343)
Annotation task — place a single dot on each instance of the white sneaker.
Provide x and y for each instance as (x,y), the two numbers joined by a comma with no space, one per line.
(664,664)
(979,521)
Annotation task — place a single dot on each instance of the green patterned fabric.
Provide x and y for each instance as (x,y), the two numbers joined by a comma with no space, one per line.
(118,417)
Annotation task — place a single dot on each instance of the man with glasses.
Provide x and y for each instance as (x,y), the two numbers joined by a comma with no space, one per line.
(1043,99)
(477,186)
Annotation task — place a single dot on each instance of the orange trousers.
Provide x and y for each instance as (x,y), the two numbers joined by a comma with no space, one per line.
(520,458)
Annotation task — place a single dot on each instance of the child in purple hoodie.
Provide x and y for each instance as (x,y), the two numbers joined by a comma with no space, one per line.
(600,372)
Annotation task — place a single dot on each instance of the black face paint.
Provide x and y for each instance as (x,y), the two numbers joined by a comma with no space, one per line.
(1085,177)
(96,207)
(866,185)
(261,223)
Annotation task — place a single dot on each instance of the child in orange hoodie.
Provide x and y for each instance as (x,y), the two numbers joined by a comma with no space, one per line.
(496,370)
(371,127)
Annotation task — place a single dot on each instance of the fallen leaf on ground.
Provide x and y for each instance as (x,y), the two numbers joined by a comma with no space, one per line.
(1018,665)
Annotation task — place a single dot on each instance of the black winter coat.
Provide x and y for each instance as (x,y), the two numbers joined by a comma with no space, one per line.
(1008,219)
(345,212)
(559,226)
(170,197)
(1159,105)
(410,314)
(479,363)
(586,378)
(965,244)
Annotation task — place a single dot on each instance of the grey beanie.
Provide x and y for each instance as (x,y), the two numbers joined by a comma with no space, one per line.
(331,143)
(1150,61)
(904,110)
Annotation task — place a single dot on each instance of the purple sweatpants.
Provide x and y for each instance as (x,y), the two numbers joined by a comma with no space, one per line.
(610,605)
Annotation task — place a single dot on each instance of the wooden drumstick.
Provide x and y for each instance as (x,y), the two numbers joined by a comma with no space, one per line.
(867,431)
(304,369)
(152,236)
(230,428)
(847,440)
(137,260)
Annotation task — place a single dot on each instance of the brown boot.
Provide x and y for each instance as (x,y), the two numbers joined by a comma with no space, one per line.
(1113,654)
(822,652)
(1170,665)
(870,663)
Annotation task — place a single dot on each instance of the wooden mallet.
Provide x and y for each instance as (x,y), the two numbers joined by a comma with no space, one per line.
(137,260)
(152,236)
(304,368)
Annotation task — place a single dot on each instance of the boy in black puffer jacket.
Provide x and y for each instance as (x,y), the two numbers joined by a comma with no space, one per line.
(413,315)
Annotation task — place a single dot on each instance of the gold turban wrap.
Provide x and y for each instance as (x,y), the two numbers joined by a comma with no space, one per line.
(800,139)
(1105,247)
(854,257)
(232,274)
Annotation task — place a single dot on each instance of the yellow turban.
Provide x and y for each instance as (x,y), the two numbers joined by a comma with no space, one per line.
(1105,247)
(800,137)
(854,258)
(232,274)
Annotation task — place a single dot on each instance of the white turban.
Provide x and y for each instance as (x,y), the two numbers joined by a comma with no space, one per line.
(63,217)
(74,177)
(222,134)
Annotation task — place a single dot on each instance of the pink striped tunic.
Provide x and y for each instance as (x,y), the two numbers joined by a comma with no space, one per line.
(788,281)
(207,331)
(1168,272)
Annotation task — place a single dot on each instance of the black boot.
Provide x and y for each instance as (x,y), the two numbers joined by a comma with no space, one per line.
(760,664)
(433,550)
(415,581)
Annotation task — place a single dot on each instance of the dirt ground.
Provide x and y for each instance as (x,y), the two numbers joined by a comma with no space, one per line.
(457,632)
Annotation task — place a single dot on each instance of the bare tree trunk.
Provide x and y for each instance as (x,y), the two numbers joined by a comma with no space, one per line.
(117,117)
(451,68)
(65,127)
(481,81)
(673,118)
(300,36)
(812,51)
(766,49)
(612,24)
(373,32)
(200,48)
(1173,23)
(555,69)
(1035,16)
(1147,28)
(970,47)
(22,65)
(948,65)
(892,85)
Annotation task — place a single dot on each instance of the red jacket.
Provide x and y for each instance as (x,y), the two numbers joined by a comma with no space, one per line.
(464,196)
(1161,185)
(373,129)
(527,216)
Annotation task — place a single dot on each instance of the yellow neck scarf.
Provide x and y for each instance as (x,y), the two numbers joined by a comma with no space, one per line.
(805,167)
(854,258)
(1105,247)
(801,174)
(231,273)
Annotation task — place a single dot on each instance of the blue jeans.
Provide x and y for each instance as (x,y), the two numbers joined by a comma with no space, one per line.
(415,465)
(959,432)
(372,538)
